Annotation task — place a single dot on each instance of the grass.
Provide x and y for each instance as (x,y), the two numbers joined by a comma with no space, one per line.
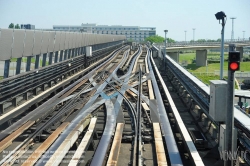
(191,67)
(187,57)
(33,60)
(210,55)
(244,66)
(205,79)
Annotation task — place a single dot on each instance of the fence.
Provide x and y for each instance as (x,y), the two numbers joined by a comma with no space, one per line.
(225,73)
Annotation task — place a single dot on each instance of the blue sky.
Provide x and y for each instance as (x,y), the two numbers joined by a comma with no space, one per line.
(175,15)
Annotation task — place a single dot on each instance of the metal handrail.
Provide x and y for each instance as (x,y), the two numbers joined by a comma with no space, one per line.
(202,43)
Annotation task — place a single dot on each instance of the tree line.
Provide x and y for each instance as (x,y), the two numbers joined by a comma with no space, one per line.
(158,39)
(13,26)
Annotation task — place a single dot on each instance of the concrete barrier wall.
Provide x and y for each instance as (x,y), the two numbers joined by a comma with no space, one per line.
(17,43)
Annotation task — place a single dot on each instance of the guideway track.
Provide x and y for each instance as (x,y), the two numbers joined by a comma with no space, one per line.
(60,94)
(20,92)
(105,118)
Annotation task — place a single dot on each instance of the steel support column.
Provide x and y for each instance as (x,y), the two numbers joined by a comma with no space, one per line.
(61,56)
(1,108)
(18,65)
(73,52)
(50,58)
(83,50)
(6,68)
(28,63)
(44,59)
(37,61)
(69,53)
(76,51)
(56,57)
(65,54)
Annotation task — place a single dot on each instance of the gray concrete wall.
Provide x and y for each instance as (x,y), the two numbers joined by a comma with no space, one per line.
(201,57)
(174,56)
(159,53)
(240,49)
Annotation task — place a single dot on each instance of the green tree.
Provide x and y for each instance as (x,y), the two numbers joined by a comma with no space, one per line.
(130,40)
(170,40)
(11,25)
(155,39)
(17,26)
(209,40)
(201,40)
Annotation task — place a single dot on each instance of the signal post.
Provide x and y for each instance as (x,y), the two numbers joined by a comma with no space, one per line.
(233,65)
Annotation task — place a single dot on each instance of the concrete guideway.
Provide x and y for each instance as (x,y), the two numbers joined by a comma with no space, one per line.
(201,48)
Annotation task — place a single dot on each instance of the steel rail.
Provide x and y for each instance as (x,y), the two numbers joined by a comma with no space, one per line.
(76,159)
(49,122)
(139,102)
(201,97)
(134,118)
(33,79)
(54,118)
(196,159)
(102,148)
(173,152)
(51,102)
(18,110)
(82,113)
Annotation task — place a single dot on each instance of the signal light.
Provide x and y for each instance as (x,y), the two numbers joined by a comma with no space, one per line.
(234,61)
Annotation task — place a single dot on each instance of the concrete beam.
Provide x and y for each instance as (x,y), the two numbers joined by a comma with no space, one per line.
(155,53)
(240,49)
(201,57)
(160,53)
(174,56)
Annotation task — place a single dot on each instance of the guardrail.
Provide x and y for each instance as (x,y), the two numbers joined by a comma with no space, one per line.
(217,72)
(204,43)
(201,95)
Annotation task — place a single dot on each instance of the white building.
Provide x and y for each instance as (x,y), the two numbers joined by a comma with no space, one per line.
(134,33)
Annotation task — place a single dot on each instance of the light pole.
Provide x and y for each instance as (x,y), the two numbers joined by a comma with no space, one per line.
(232,34)
(185,36)
(243,34)
(221,16)
(193,33)
(166,31)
